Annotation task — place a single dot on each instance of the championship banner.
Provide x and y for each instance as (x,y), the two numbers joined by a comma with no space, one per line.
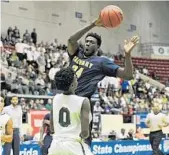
(127,147)
(36,117)
(160,50)
(140,120)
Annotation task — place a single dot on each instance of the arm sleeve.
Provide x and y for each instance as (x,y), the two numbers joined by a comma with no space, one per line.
(109,68)
(75,54)
(7,138)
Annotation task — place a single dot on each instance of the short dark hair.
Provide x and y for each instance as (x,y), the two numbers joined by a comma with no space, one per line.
(64,78)
(96,36)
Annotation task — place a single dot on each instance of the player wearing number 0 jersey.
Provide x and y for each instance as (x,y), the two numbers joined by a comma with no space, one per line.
(70,117)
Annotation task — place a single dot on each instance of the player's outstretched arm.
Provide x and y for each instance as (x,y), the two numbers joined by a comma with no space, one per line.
(72,41)
(7,138)
(85,111)
(127,71)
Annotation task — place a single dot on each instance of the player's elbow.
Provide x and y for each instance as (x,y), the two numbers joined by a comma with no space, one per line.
(71,40)
(85,134)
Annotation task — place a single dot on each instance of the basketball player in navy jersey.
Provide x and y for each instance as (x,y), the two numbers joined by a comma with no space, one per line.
(90,68)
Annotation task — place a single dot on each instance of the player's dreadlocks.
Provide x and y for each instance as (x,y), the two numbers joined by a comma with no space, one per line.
(64,78)
(96,36)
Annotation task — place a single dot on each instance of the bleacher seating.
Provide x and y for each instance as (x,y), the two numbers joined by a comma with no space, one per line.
(158,66)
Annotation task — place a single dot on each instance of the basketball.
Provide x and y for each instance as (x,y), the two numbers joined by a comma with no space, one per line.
(111,16)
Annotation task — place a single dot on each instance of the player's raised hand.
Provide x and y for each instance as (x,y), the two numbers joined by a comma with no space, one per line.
(130,44)
(98,22)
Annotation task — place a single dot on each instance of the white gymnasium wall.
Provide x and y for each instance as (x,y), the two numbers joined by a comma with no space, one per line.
(39,15)
(140,14)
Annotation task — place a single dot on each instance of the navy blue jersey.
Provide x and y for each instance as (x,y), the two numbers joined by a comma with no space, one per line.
(90,71)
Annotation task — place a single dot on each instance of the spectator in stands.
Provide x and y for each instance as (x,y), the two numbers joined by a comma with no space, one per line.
(9,38)
(48,105)
(41,62)
(3,85)
(53,71)
(16,33)
(25,84)
(97,108)
(40,85)
(48,63)
(107,109)
(3,39)
(112,135)
(27,36)
(51,75)
(16,86)
(56,42)
(130,135)
(145,71)
(23,105)
(41,104)
(122,135)
(34,36)
(9,78)
(9,30)
(142,106)
(167,83)
(13,60)
(125,86)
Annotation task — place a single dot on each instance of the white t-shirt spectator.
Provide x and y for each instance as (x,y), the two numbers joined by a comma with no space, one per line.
(66,56)
(21,47)
(52,72)
(32,55)
(122,136)
(114,81)
(103,83)
(145,71)
(39,81)
(41,49)
(55,56)
(137,74)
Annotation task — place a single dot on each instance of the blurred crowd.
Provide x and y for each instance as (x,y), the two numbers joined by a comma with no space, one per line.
(28,67)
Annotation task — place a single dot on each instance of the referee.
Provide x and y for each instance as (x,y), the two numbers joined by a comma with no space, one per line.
(155,121)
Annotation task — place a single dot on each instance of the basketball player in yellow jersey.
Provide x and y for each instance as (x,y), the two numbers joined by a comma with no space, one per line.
(6,127)
(70,117)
